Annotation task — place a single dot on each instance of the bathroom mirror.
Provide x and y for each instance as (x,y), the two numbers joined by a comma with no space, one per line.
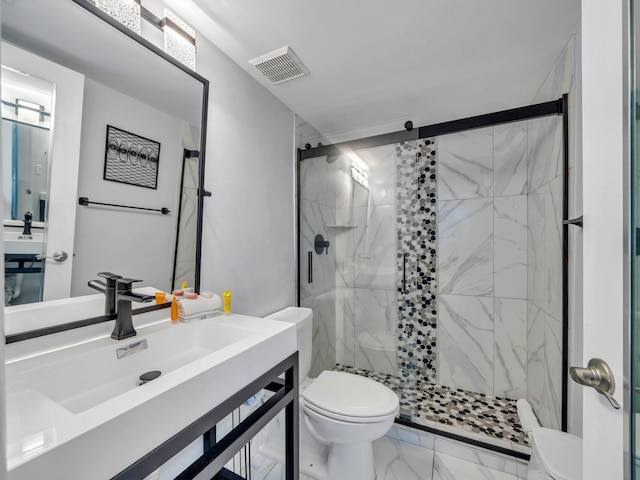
(103,100)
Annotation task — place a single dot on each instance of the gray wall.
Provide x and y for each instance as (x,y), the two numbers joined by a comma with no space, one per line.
(248,239)
(125,233)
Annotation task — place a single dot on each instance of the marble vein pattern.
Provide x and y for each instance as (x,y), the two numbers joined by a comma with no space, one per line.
(465,342)
(510,356)
(544,248)
(446,467)
(396,459)
(318,181)
(465,164)
(375,346)
(416,259)
(560,79)
(544,376)
(510,159)
(465,246)
(487,418)
(345,326)
(375,248)
(323,354)
(544,151)
(510,246)
(553,360)
(314,218)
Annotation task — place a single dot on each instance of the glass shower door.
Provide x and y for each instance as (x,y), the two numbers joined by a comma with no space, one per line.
(351,200)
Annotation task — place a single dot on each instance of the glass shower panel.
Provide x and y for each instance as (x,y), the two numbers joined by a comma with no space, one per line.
(352,199)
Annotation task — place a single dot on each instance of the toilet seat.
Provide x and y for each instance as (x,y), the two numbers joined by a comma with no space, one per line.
(346,418)
(350,398)
(559,452)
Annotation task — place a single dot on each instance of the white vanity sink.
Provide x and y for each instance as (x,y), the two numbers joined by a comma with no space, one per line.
(17,242)
(83,376)
(78,408)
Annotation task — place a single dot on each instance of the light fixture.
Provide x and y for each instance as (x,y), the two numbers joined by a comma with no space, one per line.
(127,12)
(359,176)
(179,39)
(29,112)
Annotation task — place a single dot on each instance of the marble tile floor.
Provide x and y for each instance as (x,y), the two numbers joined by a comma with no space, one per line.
(406,454)
(484,418)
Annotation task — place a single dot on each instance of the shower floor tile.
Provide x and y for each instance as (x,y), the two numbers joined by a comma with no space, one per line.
(481,417)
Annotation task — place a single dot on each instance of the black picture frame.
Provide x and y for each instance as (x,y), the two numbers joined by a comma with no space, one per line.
(131,158)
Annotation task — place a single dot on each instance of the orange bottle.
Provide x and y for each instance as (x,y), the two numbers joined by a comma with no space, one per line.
(174,310)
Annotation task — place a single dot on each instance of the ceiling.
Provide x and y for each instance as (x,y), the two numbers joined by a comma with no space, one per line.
(375,63)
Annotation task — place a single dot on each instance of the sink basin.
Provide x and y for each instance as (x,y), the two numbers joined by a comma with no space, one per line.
(66,396)
(81,377)
(17,243)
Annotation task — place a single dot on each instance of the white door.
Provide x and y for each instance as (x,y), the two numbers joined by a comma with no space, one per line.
(64,163)
(605,217)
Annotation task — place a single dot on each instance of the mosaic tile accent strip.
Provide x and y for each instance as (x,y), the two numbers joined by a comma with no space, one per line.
(438,406)
(416,209)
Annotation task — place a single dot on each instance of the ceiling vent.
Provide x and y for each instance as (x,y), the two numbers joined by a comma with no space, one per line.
(280,65)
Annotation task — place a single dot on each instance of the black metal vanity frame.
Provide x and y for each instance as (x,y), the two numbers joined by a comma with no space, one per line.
(216,454)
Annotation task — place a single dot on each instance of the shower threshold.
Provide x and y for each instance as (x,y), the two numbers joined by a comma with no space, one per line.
(475,418)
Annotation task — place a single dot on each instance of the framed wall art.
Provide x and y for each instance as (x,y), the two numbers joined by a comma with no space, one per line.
(131,159)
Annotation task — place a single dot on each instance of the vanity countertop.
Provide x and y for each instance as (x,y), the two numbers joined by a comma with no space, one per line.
(54,433)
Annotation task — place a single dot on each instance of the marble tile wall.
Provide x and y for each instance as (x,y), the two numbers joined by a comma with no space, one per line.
(482,260)
(544,254)
(318,199)
(365,261)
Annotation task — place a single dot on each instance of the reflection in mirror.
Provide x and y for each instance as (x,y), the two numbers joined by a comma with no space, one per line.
(114,87)
(26,121)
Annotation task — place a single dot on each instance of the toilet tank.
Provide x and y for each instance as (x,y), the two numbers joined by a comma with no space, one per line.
(302,317)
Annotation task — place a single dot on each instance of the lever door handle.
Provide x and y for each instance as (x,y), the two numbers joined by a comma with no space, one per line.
(599,376)
(59,256)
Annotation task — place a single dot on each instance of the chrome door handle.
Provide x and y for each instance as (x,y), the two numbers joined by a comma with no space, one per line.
(59,256)
(599,376)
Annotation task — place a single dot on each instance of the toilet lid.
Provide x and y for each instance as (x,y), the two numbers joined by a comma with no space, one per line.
(560,453)
(350,395)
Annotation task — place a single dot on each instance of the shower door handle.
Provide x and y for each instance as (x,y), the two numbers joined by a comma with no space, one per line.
(310,260)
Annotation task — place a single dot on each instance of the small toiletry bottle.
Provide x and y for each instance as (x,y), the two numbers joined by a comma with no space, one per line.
(174,310)
(226,302)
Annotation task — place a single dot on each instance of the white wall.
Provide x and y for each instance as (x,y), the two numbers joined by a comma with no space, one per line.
(123,236)
(604,159)
(248,234)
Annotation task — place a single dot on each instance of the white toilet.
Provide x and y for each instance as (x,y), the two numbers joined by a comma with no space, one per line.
(342,411)
(555,455)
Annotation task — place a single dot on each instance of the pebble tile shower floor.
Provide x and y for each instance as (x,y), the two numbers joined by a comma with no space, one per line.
(481,417)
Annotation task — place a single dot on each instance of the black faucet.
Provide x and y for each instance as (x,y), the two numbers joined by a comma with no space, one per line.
(124,320)
(109,290)
(28,218)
